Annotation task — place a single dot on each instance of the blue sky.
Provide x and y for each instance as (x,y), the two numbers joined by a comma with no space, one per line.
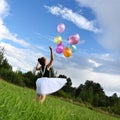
(28,27)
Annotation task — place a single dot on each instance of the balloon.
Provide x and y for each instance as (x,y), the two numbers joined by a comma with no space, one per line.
(60,48)
(58,39)
(67,52)
(60,28)
(73,48)
(74,39)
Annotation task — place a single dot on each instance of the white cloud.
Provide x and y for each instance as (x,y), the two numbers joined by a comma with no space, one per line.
(107,13)
(109,63)
(76,18)
(19,58)
(16,57)
(4,31)
(94,63)
(3,8)
(80,70)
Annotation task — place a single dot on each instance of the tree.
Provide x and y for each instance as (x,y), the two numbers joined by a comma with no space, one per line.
(67,88)
(30,79)
(1,55)
(62,76)
(3,61)
(92,93)
(69,82)
(78,90)
(112,100)
(6,65)
(52,72)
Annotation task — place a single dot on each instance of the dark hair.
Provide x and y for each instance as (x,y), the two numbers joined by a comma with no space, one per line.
(42,61)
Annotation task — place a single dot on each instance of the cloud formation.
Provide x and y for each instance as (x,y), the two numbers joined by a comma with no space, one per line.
(4,31)
(4,8)
(75,18)
(16,56)
(109,20)
(93,67)
(23,59)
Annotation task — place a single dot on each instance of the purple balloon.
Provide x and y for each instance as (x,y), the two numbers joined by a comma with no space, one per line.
(74,39)
(59,48)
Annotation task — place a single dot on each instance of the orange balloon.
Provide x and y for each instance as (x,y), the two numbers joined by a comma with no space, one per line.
(67,52)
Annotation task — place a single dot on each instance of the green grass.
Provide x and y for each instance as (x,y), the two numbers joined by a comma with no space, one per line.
(16,103)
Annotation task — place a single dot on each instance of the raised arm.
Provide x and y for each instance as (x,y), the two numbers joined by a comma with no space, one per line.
(51,57)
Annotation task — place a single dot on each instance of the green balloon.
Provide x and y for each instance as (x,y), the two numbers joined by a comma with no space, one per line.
(57,39)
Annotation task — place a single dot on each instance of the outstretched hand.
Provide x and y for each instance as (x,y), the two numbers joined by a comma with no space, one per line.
(50,47)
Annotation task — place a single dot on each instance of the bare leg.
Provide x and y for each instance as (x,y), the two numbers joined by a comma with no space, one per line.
(43,97)
(38,97)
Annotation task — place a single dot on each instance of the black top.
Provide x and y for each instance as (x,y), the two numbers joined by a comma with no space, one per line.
(44,72)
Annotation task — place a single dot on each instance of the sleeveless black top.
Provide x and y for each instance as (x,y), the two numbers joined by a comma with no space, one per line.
(45,72)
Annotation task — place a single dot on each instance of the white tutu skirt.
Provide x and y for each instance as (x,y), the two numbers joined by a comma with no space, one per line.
(46,85)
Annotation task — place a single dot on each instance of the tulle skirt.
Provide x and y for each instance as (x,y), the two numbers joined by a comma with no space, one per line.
(46,85)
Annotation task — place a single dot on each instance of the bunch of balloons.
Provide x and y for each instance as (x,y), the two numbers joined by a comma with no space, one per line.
(72,41)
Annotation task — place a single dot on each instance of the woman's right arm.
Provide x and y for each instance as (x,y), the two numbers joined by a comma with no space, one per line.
(37,66)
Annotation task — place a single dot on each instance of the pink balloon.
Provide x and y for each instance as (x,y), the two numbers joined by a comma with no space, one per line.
(59,48)
(74,39)
(60,28)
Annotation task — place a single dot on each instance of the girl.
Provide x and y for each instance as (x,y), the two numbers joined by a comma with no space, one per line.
(46,85)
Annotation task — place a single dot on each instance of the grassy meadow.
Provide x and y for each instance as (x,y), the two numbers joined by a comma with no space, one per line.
(16,103)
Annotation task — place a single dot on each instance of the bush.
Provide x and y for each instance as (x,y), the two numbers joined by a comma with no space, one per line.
(61,93)
(78,99)
(12,77)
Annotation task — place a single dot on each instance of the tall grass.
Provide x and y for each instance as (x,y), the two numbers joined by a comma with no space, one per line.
(16,103)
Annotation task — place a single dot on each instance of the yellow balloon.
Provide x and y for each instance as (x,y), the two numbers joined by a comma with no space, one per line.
(57,39)
(67,52)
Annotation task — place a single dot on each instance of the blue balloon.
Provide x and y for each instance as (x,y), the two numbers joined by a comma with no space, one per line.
(73,48)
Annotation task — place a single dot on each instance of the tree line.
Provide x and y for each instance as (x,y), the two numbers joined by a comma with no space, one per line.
(89,93)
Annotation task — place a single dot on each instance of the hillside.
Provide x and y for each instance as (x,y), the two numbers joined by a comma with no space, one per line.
(16,103)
